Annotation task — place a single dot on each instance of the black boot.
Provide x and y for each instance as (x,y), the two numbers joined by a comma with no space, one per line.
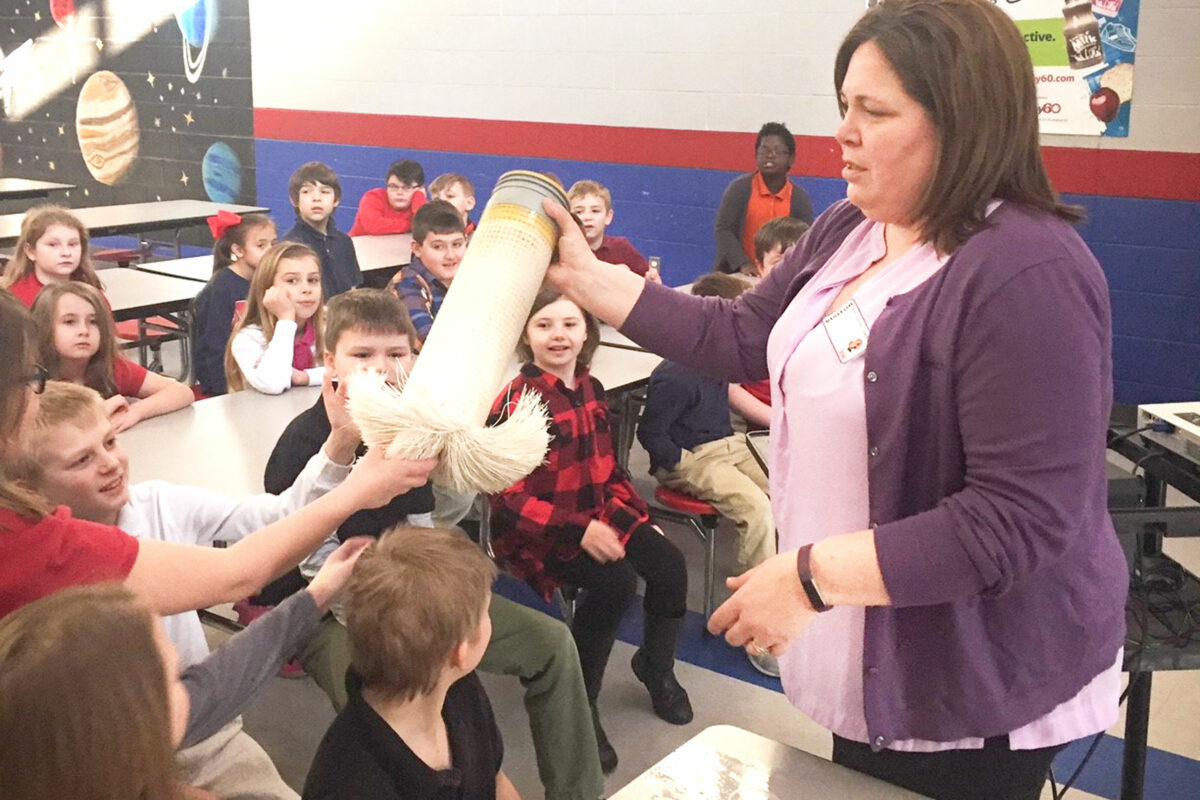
(608,756)
(654,665)
(594,649)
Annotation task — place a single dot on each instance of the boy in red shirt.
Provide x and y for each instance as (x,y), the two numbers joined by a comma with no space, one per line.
(591,203)
(390,208)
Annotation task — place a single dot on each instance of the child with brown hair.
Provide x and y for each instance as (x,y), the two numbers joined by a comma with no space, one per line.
(418,720)
(77,343)
(52,248)
(277,341)
(578,520)
(241,242)
(316,192)
(591,203)
(458,191)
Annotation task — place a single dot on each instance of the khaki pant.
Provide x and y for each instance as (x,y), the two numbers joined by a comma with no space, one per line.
(232,765)
(725,474)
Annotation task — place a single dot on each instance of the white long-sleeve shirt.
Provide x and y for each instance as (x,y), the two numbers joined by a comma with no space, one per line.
(267,366)
(168,512)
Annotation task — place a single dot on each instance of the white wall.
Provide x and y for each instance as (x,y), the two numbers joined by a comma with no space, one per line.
(681,64)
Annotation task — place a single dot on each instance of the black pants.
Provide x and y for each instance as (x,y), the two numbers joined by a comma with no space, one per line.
(609,587)
(992,773)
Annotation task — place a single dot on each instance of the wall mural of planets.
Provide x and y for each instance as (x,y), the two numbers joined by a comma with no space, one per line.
(165,116)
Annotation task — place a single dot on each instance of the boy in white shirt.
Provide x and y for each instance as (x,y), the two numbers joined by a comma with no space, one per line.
(78,462)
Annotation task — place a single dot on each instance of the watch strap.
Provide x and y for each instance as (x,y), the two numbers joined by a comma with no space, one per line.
(804,570)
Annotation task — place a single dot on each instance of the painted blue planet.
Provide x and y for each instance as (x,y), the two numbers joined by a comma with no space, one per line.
(197,23)
(222,173)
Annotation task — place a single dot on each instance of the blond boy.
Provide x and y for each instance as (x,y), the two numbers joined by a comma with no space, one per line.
(591,203)
(458,191)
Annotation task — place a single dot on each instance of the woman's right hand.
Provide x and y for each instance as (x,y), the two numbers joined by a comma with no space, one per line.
(573,251)
(377,478)
(602,542)
(278,303)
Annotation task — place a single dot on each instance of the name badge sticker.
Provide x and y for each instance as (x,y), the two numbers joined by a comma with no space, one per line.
(848,331)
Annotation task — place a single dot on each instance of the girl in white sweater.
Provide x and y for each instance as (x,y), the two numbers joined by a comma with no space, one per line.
(276,339)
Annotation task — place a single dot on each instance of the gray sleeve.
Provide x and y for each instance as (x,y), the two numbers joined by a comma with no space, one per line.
(727,228)
(220,686)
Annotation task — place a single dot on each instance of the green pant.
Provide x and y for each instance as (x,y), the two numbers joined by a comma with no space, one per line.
(537,649)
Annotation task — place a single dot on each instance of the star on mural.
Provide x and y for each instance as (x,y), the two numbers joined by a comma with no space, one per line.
(189,118)
(158,122)
(51,165)
(150,79)
(183,178)
(37,16)
(62,130)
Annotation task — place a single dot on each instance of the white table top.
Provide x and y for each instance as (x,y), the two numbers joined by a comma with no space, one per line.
(727,763)
(391,251)
(137,217)
(220,443)
(16,188)
(133,293)
(196,268)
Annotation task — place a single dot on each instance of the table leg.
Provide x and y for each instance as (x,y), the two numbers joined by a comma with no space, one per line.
(178,245)
(1137,725)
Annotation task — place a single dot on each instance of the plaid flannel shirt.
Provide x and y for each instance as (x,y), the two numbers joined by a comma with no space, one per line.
(422,294)
(544,515)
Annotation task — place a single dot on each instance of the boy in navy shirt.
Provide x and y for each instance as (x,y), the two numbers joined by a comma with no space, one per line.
(315,192)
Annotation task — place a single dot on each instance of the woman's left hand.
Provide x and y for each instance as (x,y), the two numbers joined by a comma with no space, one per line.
(768,609)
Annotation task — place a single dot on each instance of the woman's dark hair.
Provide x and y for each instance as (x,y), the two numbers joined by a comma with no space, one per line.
(236,234)
(544,298)
(967,64)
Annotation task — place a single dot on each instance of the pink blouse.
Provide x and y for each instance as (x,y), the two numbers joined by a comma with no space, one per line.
(819,480)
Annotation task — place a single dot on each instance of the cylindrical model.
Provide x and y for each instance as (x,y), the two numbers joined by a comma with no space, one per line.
(445,401)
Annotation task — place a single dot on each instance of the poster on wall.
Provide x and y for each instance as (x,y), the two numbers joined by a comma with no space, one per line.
(1082,53)
(129,102)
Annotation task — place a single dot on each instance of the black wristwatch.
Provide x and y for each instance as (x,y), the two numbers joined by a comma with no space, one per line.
(804,570)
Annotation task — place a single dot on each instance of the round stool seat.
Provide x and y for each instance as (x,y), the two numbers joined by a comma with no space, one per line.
(679,501)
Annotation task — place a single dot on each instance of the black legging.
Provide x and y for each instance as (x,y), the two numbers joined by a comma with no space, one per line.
(609,587)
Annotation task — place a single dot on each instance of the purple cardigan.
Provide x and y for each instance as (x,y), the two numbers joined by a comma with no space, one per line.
(988,391)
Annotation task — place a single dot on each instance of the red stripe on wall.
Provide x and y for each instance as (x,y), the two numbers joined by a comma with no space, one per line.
(1119,173)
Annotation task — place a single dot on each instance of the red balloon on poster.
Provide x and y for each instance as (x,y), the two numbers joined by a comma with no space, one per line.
(62,10)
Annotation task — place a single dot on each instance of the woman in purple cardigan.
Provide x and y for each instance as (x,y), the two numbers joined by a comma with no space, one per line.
(939,349)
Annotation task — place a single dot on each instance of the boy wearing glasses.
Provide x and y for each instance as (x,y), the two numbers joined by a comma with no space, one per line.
(390,208)
(752,199)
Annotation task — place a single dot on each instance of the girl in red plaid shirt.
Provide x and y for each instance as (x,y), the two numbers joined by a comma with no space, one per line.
(578,520)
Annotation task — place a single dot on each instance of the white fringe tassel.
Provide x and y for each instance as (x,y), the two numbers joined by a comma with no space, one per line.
(472,457)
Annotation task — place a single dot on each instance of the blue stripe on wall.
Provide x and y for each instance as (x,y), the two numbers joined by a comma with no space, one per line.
(1150,249)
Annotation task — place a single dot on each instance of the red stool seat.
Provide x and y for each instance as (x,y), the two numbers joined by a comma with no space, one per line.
(128,329)
(683,502)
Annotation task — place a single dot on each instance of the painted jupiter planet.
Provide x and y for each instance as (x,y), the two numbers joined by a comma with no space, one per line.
(106,123)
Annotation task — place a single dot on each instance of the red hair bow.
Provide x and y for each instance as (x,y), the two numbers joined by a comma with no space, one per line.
(223,221)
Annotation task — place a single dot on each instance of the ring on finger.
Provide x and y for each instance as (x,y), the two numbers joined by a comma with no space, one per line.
(759,650)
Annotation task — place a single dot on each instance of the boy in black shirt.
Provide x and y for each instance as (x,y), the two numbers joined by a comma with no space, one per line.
(418,723)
